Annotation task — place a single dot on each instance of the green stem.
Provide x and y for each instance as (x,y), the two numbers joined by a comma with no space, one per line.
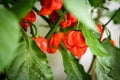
(94,57)
(108,32)
(112,17)
(31,30)
(52,30)
(32,25)
(104,25)
(61,13)
(119,41)
(45,18)
(36,30)
(35,9)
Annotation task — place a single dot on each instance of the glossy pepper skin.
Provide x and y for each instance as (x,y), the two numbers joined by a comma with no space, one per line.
(41,43)
(74,41)
(70,20)
(30,17)
(48,6)
(54,42)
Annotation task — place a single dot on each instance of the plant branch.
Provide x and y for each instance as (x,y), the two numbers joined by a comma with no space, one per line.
(53,28)
(119,41)
(36,31)
(112,17)
(32,25)
(45,18)
(94,57)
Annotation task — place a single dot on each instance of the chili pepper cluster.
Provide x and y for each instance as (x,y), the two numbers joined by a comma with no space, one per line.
(73,40)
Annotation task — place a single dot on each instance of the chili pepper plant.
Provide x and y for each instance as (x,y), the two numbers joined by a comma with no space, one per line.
(72,28)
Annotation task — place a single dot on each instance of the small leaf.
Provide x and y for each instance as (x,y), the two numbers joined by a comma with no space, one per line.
(29,64)
(22,7)
(93,43)
(108,68)
(72,68)
(96,3)
(80,9)
(9,36)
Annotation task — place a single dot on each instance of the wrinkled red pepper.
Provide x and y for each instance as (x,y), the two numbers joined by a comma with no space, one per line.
(41,43)
(30,17)
(54,42)
(74,41)
(48,6)
(70,20)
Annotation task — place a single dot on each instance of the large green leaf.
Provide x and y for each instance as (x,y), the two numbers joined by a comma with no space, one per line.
(96,3)
(108,68)
(29,64)
(80,9)
(93,43)
(22,7)
(72,68)
(9,35)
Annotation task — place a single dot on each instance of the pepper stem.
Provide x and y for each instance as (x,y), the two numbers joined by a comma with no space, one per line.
(52,30)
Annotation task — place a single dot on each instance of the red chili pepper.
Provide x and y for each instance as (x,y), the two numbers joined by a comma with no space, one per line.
(70,20)
(48,6)
(30,17)
(74,41)
(54,42)
(78,51)
(99,28)
(41,43)
(112,42)
(54,16)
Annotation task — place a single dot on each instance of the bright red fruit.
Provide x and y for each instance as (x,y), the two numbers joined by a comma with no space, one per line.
(54,42)
(74,41)
(99,28)
(48,6)
(70,20)
(41,43)
(112,42)
(30,17)
(54,16)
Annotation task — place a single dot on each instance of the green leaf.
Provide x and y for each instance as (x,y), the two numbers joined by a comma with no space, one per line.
(80,9)
(116,19)
(108,67)
(72,68)
(117,0)
(96,3)
(29,64)
(93,43)
(9,31)
(22,7)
